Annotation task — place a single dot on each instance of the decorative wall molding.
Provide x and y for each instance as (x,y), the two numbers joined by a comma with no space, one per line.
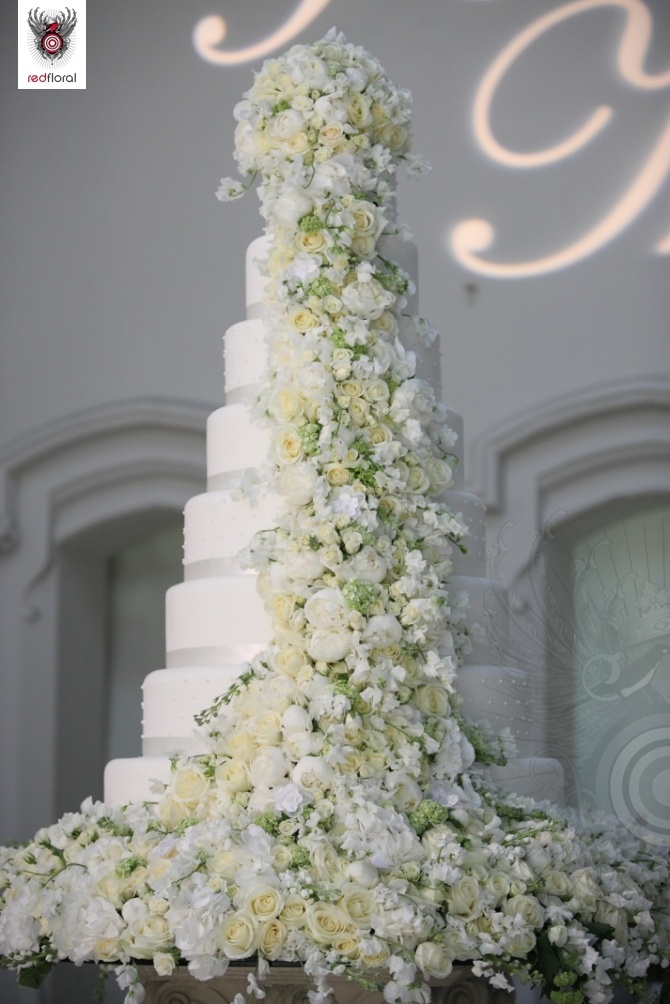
(575,433)
(134,431)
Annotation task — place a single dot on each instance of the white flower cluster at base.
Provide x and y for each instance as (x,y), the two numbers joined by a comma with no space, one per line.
(340,818)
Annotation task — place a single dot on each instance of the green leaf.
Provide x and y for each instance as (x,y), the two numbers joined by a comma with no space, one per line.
(35,976)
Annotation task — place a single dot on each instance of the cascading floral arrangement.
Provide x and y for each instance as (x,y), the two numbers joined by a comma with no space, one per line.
(342,818)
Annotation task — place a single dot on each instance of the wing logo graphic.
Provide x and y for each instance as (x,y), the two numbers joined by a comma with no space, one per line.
(51,32)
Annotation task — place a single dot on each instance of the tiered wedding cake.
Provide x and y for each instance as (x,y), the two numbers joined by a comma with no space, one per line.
(216,621)
(336,812)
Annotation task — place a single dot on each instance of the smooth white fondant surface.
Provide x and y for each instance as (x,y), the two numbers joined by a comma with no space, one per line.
(223,613)
(473,511)
(217,527)
(488,610)
(244,354)
(500,698)
(234,442)
(131,779)
(171,700)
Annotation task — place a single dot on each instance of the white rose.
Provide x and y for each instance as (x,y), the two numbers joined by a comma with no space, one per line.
(525,907)
(464,897)
(189,784)
(520,944)
(233,775)
(358,904)
(382,630)
(237,936)
(284,404)
(163,963)
(433,960)
(432,700)
(294,910)
(271,938)
(263,901)
(241,745)
(287,445)
(324,921)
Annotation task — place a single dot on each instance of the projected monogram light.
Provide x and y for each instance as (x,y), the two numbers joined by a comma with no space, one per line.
(473,236)
(211,31)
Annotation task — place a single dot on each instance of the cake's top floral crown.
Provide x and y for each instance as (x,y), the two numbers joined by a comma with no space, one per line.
(341,817)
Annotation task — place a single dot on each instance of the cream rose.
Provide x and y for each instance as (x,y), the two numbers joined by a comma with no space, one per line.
(432,699)
(189,784)
(233,776)
(358,904)
(464,897)
(238,935)
(271,938)
(284,404)
(433,959)
(287,445)
(294,910)
(325,921)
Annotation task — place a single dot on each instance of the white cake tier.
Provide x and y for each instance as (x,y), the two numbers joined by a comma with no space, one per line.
(171,700)
(473,512)
(131,779)
(497,698)
(488,611)
(234,443)
(244,355)
(535,777)
(217,527)
(219,621)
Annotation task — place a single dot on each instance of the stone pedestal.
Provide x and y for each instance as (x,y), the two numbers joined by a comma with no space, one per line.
(289,985)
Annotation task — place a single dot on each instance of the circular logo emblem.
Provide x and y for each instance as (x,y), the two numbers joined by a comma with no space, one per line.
(52,43)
